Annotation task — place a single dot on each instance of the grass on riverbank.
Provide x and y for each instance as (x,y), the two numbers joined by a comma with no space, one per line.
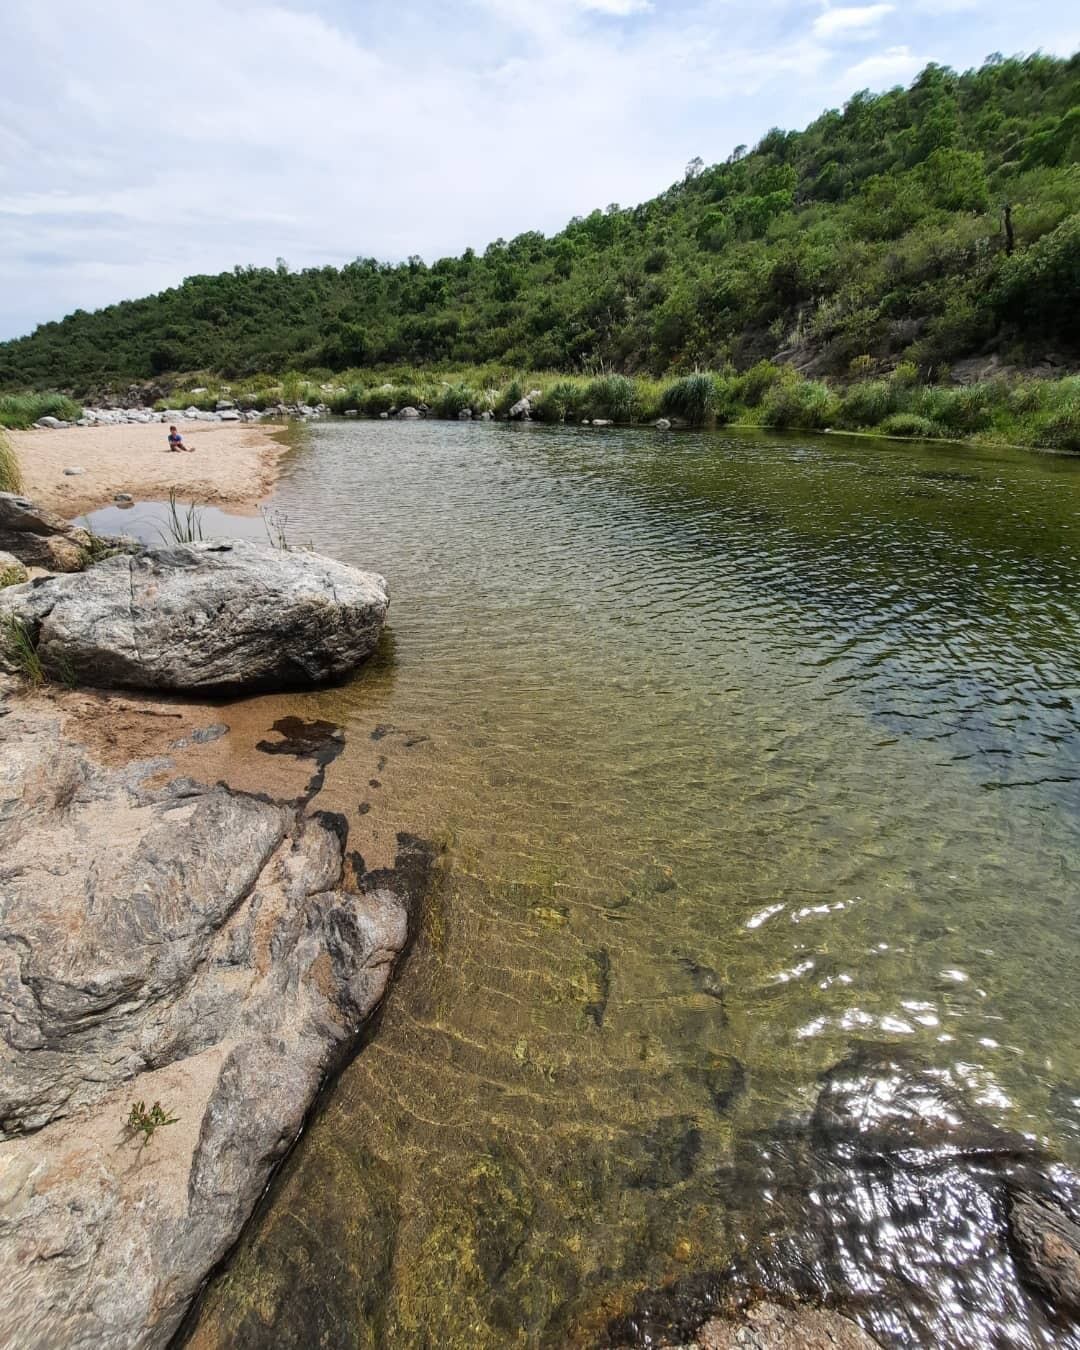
(10,478)
(1039,413)
(19,411)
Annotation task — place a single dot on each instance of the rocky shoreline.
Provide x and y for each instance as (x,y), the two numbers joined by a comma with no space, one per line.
(183,964)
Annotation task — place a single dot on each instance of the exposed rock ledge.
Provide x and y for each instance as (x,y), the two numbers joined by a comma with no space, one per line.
(160,940)
(215,615)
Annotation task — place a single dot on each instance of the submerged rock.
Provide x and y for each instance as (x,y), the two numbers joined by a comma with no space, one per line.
(206,616)
(897,1203)
(771,1326)
(1048,1241)
(176,944)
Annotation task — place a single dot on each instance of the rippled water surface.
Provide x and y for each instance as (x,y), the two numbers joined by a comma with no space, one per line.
(744,750)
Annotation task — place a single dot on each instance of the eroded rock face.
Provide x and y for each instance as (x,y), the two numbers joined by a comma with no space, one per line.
(160,940)
(207,616)
(40,538)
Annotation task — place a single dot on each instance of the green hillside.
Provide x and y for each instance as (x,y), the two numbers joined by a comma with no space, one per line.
(923,224)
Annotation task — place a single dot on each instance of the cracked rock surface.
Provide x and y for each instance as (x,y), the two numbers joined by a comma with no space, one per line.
(160,940)
(209,616)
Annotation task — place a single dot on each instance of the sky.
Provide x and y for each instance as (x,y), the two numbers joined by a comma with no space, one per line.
(142,142)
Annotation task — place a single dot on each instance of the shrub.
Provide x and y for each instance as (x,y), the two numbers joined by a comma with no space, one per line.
(693,399)
(860,366)
(1027,397)
(905,376)
(756,383)
(912,425)
(867,404)
(19,411)
(513,393)
(970,408)
(613,396)
(10,478)
(561,400)
(454,398)
(1059,426)
(806,404)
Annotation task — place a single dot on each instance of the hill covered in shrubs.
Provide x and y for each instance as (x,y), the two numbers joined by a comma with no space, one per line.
(921,225)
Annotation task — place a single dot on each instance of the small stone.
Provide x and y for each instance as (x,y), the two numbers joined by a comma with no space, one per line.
(662,424)
(74,472)
(123,498)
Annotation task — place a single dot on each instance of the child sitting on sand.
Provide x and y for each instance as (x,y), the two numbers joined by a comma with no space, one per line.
(176,441)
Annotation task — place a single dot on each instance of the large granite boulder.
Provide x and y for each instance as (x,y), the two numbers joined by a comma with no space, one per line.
(215,615)
(173,943)
(40,538)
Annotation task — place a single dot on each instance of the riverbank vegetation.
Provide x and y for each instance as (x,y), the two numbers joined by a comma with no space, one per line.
(921,225)
(1041,413)
(21,410)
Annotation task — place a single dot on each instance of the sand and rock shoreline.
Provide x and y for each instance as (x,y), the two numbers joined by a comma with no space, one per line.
(168,935)
(233,464)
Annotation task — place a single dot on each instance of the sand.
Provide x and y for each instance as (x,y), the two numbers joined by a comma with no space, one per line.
(232,465)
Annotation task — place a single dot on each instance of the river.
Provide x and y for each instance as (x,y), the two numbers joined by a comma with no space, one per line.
(744,749)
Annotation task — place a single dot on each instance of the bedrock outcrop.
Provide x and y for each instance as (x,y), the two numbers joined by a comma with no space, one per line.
(40,538)
(165,941)
(208,616)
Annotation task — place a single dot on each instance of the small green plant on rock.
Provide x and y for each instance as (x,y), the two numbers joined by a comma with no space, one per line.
(144,1122)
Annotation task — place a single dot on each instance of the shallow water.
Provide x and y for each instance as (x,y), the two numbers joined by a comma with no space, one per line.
(744,749)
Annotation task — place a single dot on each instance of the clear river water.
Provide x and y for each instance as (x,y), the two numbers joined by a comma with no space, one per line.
(744,750)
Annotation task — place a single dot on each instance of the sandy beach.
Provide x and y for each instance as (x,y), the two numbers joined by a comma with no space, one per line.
(231,464)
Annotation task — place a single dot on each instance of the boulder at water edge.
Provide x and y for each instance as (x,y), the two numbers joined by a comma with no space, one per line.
(221,615)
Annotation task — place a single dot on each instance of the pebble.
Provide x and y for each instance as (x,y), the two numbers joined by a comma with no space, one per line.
(74,472)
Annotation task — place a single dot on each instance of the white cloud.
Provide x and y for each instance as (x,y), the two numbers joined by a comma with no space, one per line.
(849,20)
(140,144)
(617,8)
(895,65)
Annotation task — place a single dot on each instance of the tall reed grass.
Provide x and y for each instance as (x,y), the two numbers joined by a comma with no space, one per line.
(19,411)
(10,476)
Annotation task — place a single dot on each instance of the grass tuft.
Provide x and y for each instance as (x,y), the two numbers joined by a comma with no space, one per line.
(10,477)
(182,526)
(20,650)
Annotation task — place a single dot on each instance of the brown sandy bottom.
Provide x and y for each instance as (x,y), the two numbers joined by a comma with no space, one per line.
(230,464)
(267,745)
